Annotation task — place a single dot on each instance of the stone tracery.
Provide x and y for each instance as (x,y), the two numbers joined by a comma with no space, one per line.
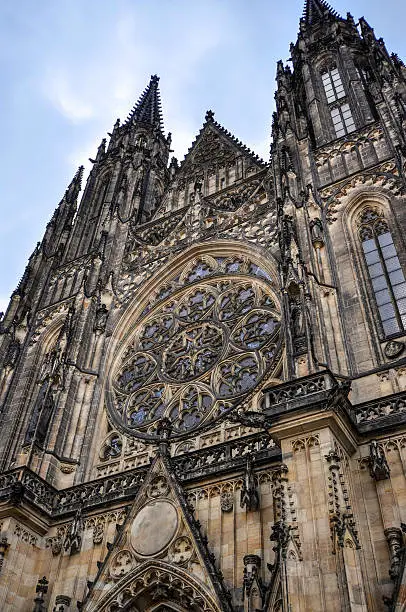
(204,346)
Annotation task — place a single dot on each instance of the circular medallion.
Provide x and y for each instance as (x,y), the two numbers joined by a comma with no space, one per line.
(154,527)
(394,349)
(193,351)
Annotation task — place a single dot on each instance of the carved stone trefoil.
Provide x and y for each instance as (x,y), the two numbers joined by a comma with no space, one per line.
(226,501)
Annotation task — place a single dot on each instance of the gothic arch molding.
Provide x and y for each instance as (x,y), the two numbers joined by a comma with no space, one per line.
(151,587)
(222,248)
(206,330)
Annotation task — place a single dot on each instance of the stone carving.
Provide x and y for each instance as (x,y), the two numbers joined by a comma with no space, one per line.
(158,487)
(98,532)
(378,465)
(181,551)
(12,354)
(227,501)
(121,564)
(4,545)
(394,538)
(341,516)
(394,349)
(55,543)
(25,535)
(249,495)
(41,590)
(62,603)
(73,540)
(252,589)
(100,322)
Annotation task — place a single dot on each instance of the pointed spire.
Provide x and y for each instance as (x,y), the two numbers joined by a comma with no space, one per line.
(148,108)
(316,10)
(75,186)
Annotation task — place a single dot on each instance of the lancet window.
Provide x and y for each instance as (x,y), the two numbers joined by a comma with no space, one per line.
(384,269)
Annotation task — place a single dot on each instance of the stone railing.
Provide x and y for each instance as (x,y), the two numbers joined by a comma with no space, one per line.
(225,456)
(296,392)
(384,411)
(22,485)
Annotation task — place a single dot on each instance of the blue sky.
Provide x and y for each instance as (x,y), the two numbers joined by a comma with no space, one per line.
(69,68)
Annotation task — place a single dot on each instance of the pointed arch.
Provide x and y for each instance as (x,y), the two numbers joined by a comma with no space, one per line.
(154,585)
(377,245)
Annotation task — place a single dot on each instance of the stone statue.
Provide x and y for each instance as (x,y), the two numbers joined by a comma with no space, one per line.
(249,494)
(73,541)
(101,318)
(378,465)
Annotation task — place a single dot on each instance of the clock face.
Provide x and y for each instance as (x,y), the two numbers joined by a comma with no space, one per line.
(205,343)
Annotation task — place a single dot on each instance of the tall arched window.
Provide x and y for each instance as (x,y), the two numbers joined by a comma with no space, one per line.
(385,271)
(339,107)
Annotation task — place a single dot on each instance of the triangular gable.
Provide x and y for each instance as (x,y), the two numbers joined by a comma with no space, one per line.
(213,145)
(160,555)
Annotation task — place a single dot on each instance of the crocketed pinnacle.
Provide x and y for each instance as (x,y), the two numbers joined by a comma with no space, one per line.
(148,108)
(315,10)
(75,186)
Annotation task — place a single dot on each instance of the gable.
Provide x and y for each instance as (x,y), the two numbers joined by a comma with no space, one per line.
(214,146)
(160,555)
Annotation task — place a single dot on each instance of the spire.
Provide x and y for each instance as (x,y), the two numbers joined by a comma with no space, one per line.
(316,10)
(148,108)
(75,186)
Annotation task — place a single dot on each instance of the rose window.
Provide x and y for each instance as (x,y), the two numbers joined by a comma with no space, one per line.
(193,351)
(197,353)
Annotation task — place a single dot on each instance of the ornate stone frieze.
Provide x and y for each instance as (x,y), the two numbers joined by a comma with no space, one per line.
(380,409)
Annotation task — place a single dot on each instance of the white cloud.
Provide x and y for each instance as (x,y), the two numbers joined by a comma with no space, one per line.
(110,79)
(59,89)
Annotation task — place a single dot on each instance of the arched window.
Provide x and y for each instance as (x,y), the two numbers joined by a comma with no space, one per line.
(339,108)
(385,271)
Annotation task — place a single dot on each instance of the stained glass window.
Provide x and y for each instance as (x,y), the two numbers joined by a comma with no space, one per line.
(205,344)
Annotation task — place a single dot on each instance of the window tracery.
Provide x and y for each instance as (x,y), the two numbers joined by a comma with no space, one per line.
(199,351)
(339,107)
(384,269)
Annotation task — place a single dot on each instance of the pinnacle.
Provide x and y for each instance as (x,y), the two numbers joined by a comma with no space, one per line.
(316,10)
(74,186)
(148,108)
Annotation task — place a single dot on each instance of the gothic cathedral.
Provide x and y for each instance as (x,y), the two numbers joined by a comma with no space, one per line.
(203,367)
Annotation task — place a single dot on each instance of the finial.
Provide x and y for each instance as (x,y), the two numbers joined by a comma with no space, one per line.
(209,117)
(316,10)
(148,108)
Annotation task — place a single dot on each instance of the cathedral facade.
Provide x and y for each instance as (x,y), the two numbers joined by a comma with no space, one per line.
(203,367)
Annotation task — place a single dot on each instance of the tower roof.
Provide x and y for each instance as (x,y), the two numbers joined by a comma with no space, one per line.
(148,108)
(315,10)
